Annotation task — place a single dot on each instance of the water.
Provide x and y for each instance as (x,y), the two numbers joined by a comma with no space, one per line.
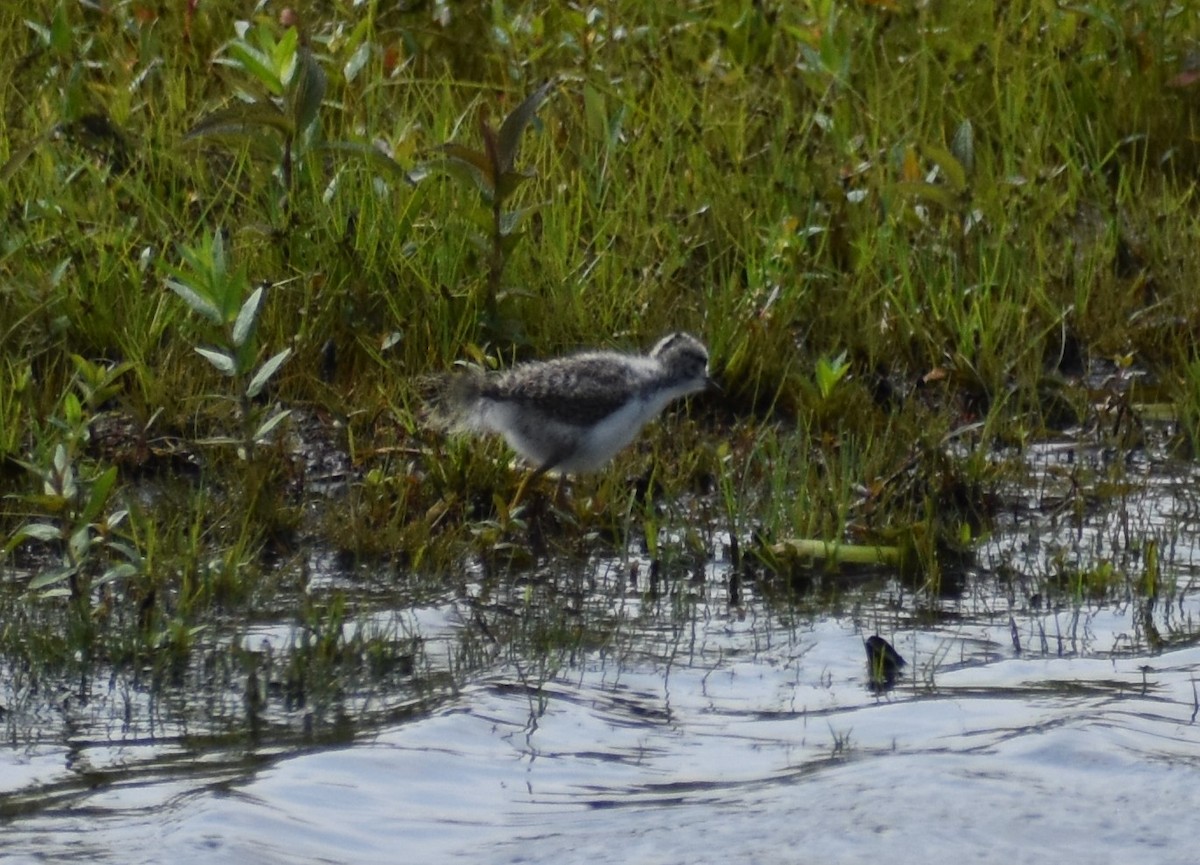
(1025,729)
(753,755)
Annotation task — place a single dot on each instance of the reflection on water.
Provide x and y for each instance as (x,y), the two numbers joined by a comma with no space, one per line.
(781,750)
(1022,729)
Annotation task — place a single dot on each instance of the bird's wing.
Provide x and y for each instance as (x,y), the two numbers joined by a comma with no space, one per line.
(583,389)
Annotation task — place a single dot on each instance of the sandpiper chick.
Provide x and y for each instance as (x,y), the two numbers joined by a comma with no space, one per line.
(573,414)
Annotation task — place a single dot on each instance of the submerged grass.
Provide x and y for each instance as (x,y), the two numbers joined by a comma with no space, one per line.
(910,234)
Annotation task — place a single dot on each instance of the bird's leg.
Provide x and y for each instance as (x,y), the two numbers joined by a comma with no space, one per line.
(529,476)
(533,476)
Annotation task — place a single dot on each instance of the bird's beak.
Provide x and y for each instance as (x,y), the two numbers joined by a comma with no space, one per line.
(711,385)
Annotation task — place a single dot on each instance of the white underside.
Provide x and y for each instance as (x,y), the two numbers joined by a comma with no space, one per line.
(540,440)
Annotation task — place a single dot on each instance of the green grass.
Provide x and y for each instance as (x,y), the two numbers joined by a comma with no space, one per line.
(967,204)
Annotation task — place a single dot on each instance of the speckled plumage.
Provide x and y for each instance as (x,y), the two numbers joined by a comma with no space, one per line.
(573,414)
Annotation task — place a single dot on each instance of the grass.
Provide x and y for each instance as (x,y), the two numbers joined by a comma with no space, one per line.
(904,231)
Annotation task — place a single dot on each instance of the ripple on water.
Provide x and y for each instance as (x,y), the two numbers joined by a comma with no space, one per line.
(1009,762)
(658,768)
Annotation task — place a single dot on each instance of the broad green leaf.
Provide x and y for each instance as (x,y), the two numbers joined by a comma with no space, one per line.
(66,486)
(510,180)
(198,261)
(60,31)
(830,372)
(199,304)
(477,162)
(84,368)
(101,488)
(357,61)
(80,543)
(284,53)
(96,380)
(117,572)
(595,112)
(247,316)
(215,247)
(130,554)
(963,146)
(466,177)
(257,64)
(509,139)
(115,519)
(115,372)
(263,431)
(234,289)
(62,464)
(245,119)
(44,532)
(221,360)
(49,578)
(42,31)
(72,410)
(308,91)
(265,372)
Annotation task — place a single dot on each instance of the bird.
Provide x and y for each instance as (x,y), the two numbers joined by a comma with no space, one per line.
(884,663)
(573,414)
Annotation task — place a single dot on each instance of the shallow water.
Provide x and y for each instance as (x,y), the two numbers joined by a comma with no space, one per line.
(748,753)
(1024,729)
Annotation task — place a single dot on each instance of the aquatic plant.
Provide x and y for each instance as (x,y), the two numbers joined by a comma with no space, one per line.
(74,511)
(221,294)
(494,173)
